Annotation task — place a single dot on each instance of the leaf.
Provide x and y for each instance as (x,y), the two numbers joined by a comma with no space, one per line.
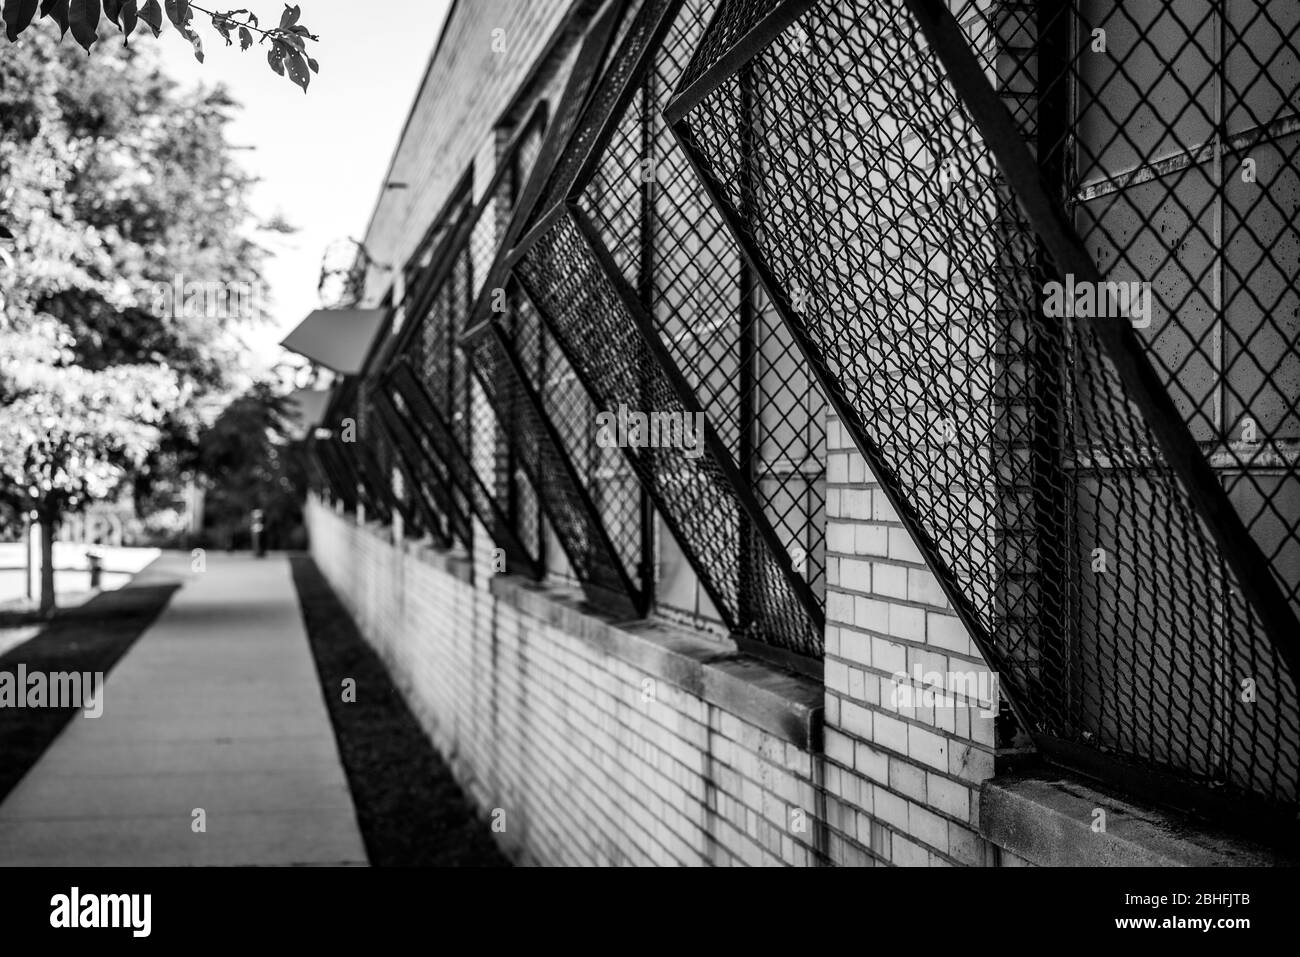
(178,12)
(195,42)
(290,16)
(83,18)
(57,10)
(112,9)
(129,18)
(18,14)
(151,14)
(298,72)
(313,65)
(275,57)
(220,24)
(245,38)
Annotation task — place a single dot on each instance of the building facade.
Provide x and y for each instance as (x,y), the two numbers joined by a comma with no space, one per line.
(820,433)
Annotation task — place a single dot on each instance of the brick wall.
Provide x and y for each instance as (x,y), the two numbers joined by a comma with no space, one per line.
(545,714)
(902,779)
(474,78)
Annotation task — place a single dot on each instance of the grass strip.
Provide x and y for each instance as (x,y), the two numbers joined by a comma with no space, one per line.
(90,637)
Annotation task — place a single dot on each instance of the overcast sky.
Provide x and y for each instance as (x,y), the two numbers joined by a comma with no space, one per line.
(322,156)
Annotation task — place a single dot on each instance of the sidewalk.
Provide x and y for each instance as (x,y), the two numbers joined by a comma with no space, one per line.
(217,707)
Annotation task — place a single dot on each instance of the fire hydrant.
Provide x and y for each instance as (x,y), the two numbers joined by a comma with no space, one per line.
(95,561)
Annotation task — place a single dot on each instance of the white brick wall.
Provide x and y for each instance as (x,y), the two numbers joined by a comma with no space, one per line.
(468,88)
(902,782)
(548,727)
(544,725)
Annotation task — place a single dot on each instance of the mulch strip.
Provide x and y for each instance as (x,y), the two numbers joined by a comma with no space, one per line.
(411,811)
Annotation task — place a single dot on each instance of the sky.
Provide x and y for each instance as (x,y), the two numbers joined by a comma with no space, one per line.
(322,156)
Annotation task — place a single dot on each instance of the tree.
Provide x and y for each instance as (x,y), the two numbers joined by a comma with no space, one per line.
(252,462)
(69,432)
(114,182)
(287,54)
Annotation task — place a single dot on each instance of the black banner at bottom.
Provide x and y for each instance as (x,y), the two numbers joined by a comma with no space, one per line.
(359,905)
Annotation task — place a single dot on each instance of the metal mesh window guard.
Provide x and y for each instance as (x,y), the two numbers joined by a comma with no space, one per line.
(614,490)
(468,479)
(409,499)
(1187,124)
(429,387)
(498,479)
(342,409)
(543,455)
(499,463)
(428,471)
(522,376)
(722,334)
(598,42)
(375,445)
(608,69)
(578,264)
(603,549)
(372,485)
(1040,475)
(319,479)
(335,478)
(340,455)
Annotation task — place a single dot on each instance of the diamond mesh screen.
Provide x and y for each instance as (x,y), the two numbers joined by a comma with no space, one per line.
(372,487)
(592,326)
(538,462)
(342,484)
(498,460)
(467,474)
(590,270)
(845,163)
(431,374)
(544,458)
(718,327)
(430,473)
(410,494)
(633,39)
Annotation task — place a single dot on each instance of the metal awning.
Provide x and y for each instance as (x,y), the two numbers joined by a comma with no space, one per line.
(306,407)
(338,339)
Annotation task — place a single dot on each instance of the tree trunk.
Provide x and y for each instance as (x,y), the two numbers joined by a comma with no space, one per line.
(47,562)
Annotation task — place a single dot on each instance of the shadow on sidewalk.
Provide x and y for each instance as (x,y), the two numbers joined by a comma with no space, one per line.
(90,637)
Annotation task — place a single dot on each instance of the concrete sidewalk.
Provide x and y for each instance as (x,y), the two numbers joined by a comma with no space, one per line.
(218,707)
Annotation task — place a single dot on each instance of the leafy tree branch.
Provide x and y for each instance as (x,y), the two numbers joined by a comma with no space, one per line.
(287,55)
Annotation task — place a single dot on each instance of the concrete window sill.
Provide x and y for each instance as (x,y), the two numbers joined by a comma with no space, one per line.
(454,563)
(1047,818)
(785,705)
